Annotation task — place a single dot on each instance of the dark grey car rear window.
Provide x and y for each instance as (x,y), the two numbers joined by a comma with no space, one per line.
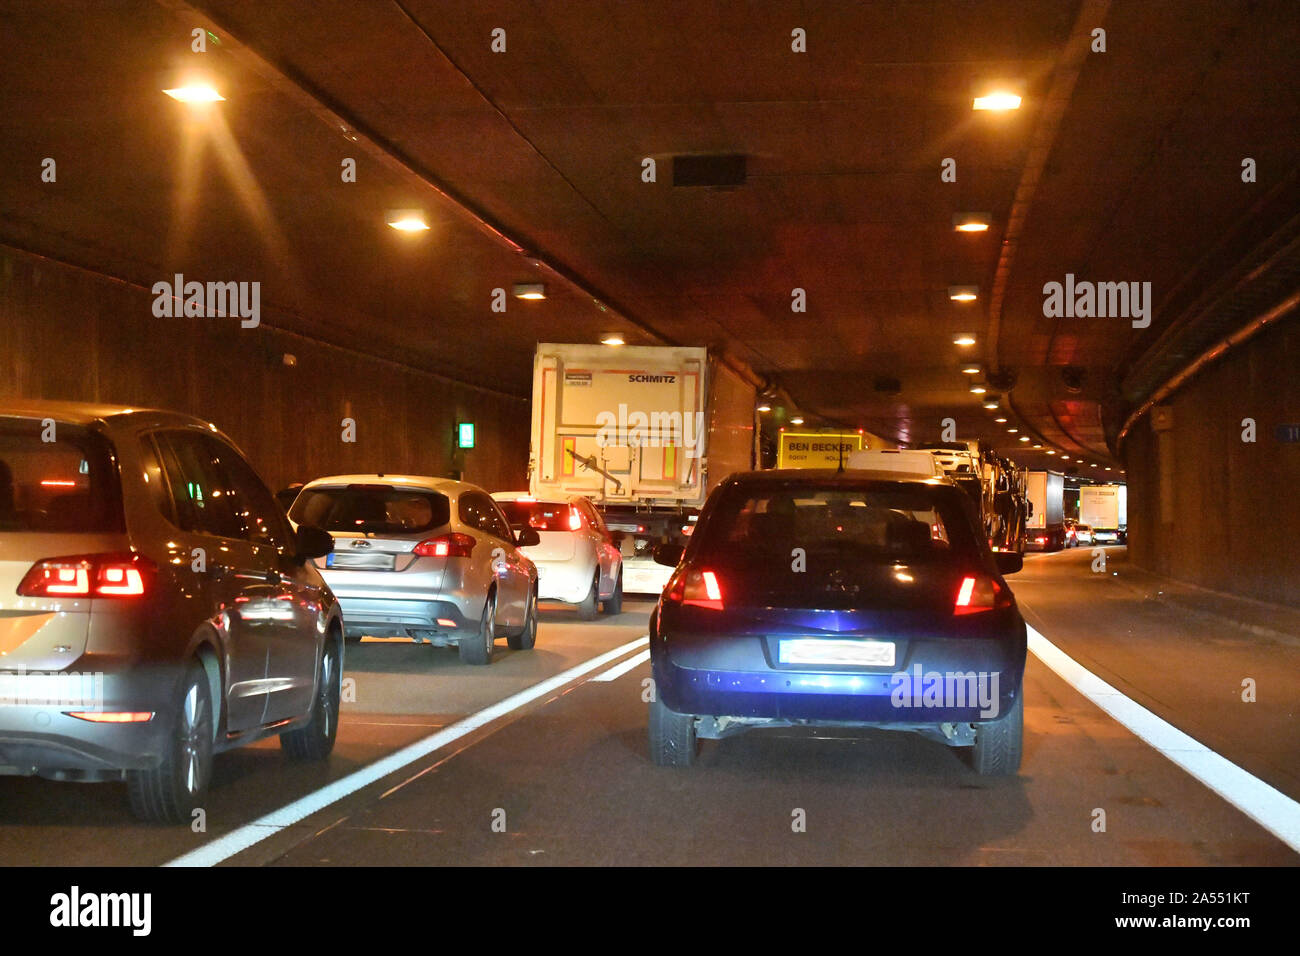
(371,509)
(66,485)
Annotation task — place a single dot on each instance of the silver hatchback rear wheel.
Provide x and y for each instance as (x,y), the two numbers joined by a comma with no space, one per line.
(477,648)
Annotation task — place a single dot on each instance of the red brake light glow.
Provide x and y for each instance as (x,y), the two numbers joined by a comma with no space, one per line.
(452,545)
(89,575)
(979,594)
(697,588)
(113,716)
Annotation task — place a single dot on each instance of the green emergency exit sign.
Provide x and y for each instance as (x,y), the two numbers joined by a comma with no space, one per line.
(464,434)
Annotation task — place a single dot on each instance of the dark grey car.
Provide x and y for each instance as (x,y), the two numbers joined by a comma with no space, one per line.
(156,607)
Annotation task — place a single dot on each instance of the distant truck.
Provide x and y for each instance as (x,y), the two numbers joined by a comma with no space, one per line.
(646,432)
(809,449)
(1045,524)
(1105,508)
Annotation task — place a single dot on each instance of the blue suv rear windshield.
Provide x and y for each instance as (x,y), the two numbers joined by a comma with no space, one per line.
(865,524)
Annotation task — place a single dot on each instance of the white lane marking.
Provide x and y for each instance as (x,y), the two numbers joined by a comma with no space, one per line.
(618,670)
(1266,805)
(250,834)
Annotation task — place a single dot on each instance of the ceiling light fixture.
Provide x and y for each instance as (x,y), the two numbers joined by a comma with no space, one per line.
(963,293)
(406,220)
(970,370)
(797,420)
(531,290)
(195,93)
(978,389)
(612,338)
(970,221)
(997,101)
(1000,421)
(991,404)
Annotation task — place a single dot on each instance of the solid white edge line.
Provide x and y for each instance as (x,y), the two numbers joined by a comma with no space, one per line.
(618,670)
(250,834)
(1266,805)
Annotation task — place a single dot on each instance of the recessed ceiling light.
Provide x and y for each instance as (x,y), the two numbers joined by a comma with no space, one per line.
(1051,451)
(970,369)
(964,340)
(195,93)
(1024,438)
(1012,431)
(764,407)
(963,293)
(612,338)
(406,220)
(797,420)
(970,221)
(531,290)
(1038,446)
(998,100)
(1108,469)
(1000,421)
(1066,457)
(991,404)
(978,389)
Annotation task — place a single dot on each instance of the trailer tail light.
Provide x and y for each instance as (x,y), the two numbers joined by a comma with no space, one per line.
(980,593)
(696,588)
(452,545)
(115,575)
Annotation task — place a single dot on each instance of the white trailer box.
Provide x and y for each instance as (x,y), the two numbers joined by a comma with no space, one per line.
(620,424)
(1105,508)
(645,432)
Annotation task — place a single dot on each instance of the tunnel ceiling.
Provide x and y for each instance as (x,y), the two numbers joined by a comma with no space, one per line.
(1123,165)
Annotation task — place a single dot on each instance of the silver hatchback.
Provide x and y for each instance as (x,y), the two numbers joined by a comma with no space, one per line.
(155,605)
(426,558)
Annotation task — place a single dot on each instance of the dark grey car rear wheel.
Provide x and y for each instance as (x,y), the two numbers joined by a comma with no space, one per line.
(672,736)
(172,791)
(316,740)
(477,648)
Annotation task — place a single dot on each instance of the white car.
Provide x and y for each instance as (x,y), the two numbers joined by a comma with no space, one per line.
(905,462)
(577,561)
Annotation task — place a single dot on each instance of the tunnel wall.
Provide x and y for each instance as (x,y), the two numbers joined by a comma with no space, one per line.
(70,334)
(1205,506)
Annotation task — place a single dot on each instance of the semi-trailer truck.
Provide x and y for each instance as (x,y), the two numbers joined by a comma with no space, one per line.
(1045,525)
(646,432)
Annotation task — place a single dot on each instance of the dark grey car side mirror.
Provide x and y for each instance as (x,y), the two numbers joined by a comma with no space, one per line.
(1008,562)
(668,554)
(527,537)
(313,543)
